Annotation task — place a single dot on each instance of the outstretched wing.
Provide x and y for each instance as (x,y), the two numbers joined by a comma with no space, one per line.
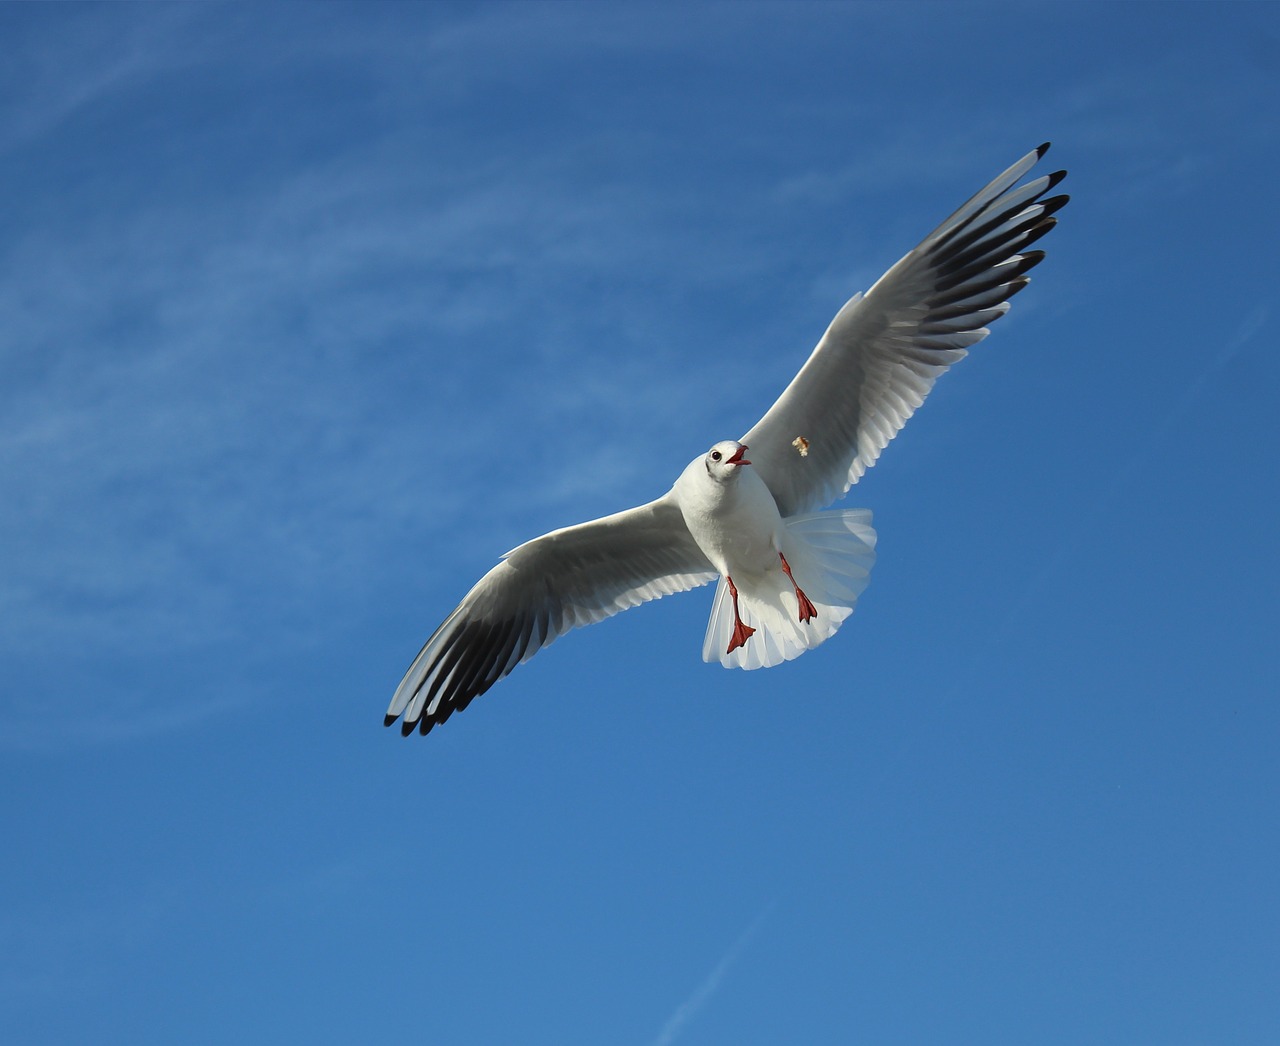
(882,353)
(562,580)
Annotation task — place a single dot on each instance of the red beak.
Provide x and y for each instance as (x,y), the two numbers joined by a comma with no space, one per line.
(737,458)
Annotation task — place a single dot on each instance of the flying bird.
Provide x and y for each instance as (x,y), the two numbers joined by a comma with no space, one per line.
(747,511)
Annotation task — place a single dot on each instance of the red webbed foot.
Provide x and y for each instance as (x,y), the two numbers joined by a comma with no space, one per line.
(807,610)
(741,630)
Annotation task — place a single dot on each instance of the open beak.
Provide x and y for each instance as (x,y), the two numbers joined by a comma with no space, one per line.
(737,458)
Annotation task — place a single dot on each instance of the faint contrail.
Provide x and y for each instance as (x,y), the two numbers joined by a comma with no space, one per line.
(1157,438)
(695,1002)
(1154,442)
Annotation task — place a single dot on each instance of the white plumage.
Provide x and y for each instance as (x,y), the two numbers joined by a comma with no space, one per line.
(789,575)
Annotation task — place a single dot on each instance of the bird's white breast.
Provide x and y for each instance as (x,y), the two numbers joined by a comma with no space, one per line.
(735,523)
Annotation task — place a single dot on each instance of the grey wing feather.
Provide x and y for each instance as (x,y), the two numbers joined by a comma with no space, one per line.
(571,577)
(882,353)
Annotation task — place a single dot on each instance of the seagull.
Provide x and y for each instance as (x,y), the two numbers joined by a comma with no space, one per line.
(789,574)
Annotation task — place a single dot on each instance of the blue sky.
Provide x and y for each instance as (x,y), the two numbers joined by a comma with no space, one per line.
(308,313)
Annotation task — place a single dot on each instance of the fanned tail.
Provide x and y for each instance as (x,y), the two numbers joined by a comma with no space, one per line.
(831,555)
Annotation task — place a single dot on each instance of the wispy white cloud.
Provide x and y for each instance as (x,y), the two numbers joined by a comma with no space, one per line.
(227,395)
(93,940)
(97,54)
(220,410)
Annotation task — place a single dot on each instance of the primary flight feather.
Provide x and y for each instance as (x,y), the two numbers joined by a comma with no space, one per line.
(789,574)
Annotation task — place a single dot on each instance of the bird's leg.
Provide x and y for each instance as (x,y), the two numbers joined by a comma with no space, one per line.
(807,610)
(741,631)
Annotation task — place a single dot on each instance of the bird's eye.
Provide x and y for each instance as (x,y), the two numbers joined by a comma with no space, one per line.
(716,455)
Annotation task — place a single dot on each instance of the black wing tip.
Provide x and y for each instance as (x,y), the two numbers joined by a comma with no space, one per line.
(1042,149)
(1053,205)
(1028,261)
(421,725)
(407,727)
(425,721)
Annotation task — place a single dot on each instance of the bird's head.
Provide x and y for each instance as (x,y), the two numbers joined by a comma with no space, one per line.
(724,459)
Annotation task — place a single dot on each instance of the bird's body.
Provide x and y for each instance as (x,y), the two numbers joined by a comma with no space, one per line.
(788,575)
(768,565)
(731,514)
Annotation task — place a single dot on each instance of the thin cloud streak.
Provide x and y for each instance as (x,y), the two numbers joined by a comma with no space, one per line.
(1157,440)
(208,411)
(688,1009)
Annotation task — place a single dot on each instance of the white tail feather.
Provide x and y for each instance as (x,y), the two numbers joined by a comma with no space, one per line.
(831,555)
